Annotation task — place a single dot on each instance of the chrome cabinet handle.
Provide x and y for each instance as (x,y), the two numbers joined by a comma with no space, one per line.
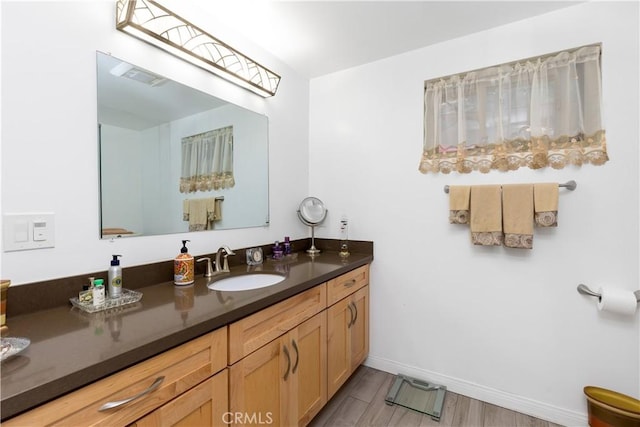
(117,403)
(351,320)
(355,308)
(350,283)
(286,353)
(295,365)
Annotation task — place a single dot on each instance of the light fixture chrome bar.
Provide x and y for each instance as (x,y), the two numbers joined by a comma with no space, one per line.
(157,25)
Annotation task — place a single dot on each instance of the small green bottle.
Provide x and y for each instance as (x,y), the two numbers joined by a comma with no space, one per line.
(98,292)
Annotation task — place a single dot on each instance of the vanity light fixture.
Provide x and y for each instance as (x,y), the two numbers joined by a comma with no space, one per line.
(157,25)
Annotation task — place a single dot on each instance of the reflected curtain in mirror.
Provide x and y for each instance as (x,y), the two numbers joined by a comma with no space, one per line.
(544,111)
(207,161)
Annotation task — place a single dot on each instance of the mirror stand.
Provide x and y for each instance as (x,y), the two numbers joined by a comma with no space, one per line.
(313,250)
(312,212)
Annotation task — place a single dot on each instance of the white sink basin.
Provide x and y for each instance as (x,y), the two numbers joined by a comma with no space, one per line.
(245,282)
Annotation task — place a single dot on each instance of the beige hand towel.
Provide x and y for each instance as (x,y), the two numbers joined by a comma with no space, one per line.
(486,215)
(214,211)
(459,204)
(185,210)
(197,214)
(545,204)
(517,215)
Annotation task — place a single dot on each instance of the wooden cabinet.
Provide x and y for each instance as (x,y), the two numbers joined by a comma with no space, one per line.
(156,381)
(283,382)
(277,360)
(347,327)
(278,366)
(285,364)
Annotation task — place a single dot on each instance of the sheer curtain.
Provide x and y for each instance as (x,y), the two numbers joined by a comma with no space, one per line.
(545,111)
(207,161)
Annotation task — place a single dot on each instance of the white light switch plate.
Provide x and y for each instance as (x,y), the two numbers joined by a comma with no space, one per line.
(25,231)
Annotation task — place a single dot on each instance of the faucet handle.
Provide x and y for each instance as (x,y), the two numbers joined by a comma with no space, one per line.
(226,261)
(209,271)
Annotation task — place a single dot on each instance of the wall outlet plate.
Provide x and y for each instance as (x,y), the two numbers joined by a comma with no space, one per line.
(25,231)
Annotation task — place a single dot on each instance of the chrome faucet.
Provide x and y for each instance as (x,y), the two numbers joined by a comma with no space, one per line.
(223,249)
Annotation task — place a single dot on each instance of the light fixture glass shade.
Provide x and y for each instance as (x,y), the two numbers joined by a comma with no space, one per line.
(157,25)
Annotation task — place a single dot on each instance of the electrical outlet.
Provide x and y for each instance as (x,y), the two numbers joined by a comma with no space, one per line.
(344,227)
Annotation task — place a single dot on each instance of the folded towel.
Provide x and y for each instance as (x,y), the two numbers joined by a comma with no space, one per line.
(185,210)
(545,204)
(214,210)
(517,215)
(486,215)
(459,204)
(197,214)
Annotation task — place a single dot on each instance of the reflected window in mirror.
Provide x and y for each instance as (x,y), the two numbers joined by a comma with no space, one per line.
(143,119)
(207,161)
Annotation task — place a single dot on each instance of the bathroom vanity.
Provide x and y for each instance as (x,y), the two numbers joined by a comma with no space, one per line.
(272,355)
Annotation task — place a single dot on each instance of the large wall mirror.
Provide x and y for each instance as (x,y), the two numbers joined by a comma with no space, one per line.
(174,159)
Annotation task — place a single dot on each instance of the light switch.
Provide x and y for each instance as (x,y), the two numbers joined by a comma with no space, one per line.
(24,231)
(39,231)
(21,231)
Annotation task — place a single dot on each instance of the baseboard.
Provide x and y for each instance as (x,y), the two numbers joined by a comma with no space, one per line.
(486,394)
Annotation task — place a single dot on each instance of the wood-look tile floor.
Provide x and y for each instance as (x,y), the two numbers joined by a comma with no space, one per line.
(360,402)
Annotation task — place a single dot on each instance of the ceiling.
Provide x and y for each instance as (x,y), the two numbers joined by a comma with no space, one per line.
(320,37)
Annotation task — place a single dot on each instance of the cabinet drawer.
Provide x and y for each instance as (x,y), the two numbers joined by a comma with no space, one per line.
(258,329)
(182,368)
(347,284)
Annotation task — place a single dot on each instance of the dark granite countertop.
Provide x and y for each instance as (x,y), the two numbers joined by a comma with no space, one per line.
(70,348)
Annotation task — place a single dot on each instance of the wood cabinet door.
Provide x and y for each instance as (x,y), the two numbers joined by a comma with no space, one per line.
(339,318)
(347,337)
(204,405)
(359,331)
(309,370)
(259,386)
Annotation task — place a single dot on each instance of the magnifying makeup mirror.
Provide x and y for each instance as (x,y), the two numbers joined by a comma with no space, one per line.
(312,212)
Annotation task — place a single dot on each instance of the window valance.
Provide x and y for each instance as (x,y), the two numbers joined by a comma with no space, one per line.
(540,112)
(207,161)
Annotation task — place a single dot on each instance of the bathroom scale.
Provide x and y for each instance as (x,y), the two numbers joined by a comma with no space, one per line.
(421,396)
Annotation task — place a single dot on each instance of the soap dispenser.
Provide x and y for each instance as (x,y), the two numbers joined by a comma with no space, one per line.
(115,278)
(183,267)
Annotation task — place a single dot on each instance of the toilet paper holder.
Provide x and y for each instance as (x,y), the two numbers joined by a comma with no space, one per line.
(584,290)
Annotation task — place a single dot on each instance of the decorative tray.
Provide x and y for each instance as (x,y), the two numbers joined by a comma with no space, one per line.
(127,297)
(12,346)
(285,258)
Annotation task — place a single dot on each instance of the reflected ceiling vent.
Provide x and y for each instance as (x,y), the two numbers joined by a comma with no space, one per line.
(129,71)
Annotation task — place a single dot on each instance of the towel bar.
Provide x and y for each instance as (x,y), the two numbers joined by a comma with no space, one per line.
(569,185)
(584,290)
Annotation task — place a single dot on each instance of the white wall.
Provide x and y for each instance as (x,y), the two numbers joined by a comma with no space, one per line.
(49,140)
(506,326)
